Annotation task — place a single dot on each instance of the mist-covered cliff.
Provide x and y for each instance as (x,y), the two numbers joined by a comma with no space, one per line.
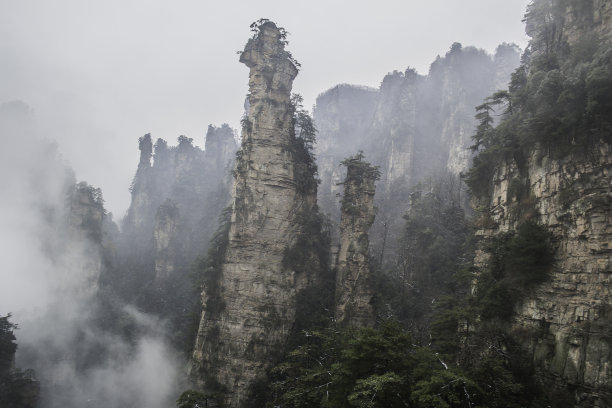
(178,194)
(414,127)
(85,345)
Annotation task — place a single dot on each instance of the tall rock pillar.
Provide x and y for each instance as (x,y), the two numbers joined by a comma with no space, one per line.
(249,308)
(354,289)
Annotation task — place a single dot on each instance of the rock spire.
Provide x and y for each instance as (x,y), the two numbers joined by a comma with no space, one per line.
(249,302)
(354,290)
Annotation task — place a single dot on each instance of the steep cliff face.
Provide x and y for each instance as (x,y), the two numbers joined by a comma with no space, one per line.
(89,224)
(86,210)
(184,173)
(242,333)
(354,284)
(572,197)
(141,206)
(560,176)
(219,149)
(167,241)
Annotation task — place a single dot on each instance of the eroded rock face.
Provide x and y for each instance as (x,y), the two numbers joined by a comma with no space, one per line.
(566,322)
(597,19)
(141,205)
(245,330)
(166,239)
(87,228)
(570,316)
(354,289)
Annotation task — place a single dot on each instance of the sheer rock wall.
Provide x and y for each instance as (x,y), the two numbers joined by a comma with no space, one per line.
(243,334)
(570,316)
(567,321)
(354,288)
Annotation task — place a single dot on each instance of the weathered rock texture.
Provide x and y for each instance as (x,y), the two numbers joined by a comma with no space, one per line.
(571,315)
(566,322)
(414,127)
(244,332)
(166,238)
(354,286)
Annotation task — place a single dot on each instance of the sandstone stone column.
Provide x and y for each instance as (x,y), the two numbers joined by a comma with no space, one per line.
(354,289)
(243,331)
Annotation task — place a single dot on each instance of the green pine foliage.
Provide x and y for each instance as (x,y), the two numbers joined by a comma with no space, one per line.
(475,330)
(358,173)
(303,141)
(560,98)
(518,261)
(8,347)
(207,271)
(18,389)
(382,367)
(435,244)
(465,356)
(452,344)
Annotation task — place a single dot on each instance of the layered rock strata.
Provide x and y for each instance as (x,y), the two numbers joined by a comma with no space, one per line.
(566,322)
(166,240)
(570,316)
(244,330)
(354,289)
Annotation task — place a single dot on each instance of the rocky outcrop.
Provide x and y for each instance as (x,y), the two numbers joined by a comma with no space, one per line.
(184,173)
(18,389)
(141,206)
(570,316)
(343,117)
(176,202)
(565,322)
(593,16)
(219,149)
(90,226)
(167,240)
(86,212)
(243,331)
(354,286)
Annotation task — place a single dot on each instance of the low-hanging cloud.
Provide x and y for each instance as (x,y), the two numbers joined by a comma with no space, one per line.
(88,348)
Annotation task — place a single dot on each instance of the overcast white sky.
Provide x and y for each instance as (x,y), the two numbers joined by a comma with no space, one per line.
(99,74)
